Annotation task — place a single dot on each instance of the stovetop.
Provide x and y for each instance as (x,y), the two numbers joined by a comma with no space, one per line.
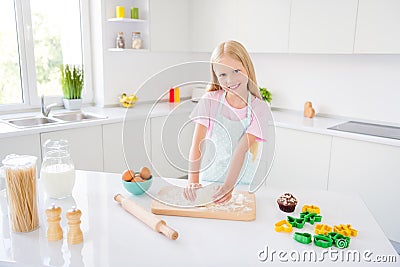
(380,130)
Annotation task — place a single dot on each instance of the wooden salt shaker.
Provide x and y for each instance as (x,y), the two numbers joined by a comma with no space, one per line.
(75,235)
(54,230)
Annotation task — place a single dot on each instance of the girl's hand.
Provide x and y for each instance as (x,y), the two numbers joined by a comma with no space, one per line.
(190,191)
(223,194)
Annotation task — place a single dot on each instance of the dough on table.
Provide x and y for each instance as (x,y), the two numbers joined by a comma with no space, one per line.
(174,195)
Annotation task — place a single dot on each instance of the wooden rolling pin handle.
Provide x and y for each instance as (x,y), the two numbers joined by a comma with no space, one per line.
(148,218)
(162,227)
(118,198)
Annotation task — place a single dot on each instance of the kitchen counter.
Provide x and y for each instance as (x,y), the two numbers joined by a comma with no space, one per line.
(113,115)
(320,124)
(282,118)
(113,237)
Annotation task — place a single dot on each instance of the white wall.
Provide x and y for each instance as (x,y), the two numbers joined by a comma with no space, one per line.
(126,71)
(359,86)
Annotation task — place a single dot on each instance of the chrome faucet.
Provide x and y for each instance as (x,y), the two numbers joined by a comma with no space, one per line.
(46,109)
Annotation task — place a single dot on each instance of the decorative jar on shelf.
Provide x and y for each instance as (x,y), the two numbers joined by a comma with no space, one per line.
(120,40)
(136,40)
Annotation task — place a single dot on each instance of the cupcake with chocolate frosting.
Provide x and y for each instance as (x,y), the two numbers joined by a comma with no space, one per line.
(287,202)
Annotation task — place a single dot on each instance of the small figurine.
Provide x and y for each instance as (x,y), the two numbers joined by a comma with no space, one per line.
(75,235)
(54,230)
(309,111)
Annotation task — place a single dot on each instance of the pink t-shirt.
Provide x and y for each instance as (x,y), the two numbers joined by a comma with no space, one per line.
(208,106)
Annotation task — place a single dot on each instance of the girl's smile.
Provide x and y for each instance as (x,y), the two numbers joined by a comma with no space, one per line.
(235,86)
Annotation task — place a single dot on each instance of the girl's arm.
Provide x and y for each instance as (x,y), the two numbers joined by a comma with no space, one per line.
(195,153)
(238,158)
(224,193)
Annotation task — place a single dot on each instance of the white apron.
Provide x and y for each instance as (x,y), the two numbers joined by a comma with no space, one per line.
(226,134)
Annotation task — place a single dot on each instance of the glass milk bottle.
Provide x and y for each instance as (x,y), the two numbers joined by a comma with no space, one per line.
(57,173)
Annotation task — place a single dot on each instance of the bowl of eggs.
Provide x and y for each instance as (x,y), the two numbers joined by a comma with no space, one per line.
(137,183)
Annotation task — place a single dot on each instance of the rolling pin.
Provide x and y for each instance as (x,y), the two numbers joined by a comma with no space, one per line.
(148,218)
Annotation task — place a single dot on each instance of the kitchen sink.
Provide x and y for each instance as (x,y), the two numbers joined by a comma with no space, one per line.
(77,116)
(30,122)
(66,117)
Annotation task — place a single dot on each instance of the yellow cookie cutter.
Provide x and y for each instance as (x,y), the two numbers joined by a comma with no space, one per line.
(283,226)
(322,229)
(345,229)
(311,209)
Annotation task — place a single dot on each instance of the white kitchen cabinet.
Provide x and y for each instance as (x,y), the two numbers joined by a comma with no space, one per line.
(322,26)
(169,25)
(133,144)
(372,170)
(21,145)
(212,22)
(261,25)
(378,27)
(301,160)
(85,144)
(171,138)
(264,25)
(201,25)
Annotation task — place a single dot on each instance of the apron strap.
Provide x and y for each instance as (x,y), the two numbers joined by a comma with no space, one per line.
(222,100)
(248,109)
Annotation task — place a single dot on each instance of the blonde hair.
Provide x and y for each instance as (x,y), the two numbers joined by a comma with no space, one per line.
(238,52)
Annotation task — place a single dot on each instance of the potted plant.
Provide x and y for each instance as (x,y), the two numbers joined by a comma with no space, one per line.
(72,85)
(265,94)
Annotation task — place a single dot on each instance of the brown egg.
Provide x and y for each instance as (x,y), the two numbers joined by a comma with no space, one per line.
(145,173)
(137,179)
(127,175)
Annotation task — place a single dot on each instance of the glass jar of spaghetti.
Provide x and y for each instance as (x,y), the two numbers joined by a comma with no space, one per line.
(20,175)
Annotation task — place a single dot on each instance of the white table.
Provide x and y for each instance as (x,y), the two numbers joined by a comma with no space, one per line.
(113,237)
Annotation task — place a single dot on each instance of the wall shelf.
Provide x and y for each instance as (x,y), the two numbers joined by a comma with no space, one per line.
(127,50)
(127,20)
(127,25)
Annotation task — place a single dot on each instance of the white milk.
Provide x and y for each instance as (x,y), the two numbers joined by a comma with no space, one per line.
(58,180)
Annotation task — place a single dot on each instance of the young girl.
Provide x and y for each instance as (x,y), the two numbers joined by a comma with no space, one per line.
(230,116)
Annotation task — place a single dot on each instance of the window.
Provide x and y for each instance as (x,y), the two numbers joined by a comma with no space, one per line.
(10,75)
(42,35)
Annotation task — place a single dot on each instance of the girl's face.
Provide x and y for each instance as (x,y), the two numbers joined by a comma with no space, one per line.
(231,75)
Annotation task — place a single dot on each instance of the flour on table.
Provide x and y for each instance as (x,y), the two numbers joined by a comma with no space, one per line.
(238,203)
(173,195)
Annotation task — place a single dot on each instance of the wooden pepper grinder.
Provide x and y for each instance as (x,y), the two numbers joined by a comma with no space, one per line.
(75,235)
(54,230)
(309,111)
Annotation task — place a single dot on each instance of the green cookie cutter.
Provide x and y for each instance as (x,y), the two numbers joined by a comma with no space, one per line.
(310,217)
(296,222)
(339,240)
(323,241)
(304,238)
